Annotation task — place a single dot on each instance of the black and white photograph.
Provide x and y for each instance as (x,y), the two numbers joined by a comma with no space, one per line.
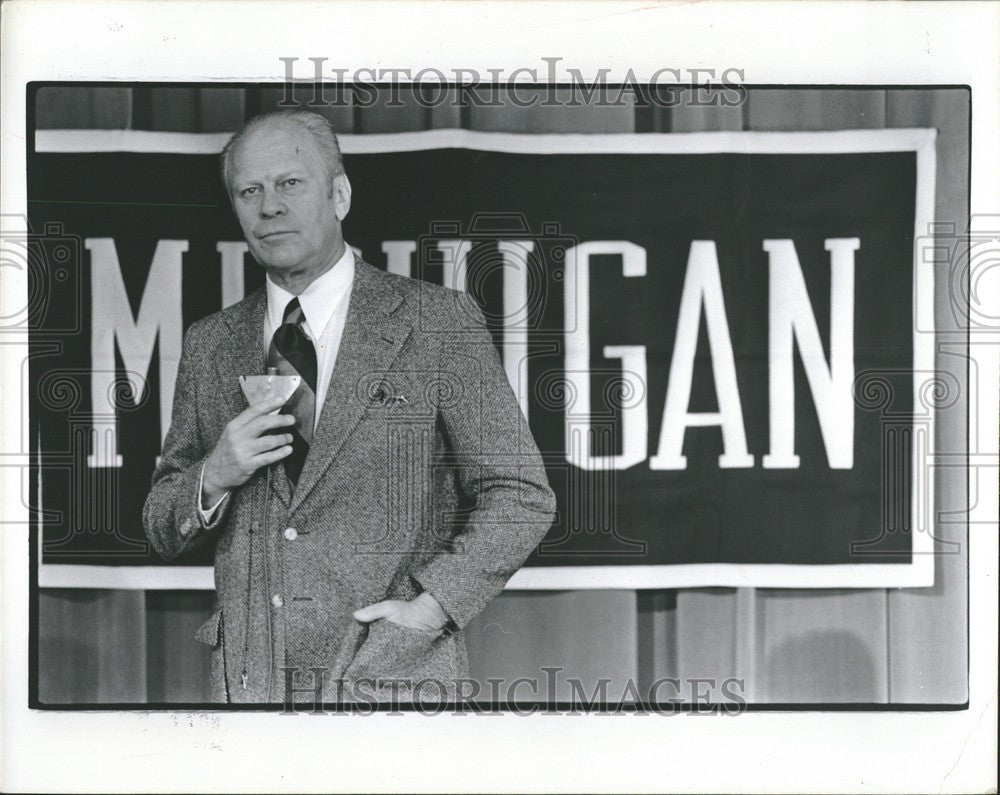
(400,404)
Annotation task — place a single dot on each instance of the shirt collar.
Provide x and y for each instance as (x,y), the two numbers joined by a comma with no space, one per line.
(319,300)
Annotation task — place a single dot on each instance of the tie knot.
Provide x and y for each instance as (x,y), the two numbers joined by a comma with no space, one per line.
(293,312)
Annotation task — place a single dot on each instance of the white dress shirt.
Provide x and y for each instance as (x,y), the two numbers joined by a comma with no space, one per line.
(324,307)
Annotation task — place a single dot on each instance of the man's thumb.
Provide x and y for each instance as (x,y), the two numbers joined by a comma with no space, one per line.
(372,612)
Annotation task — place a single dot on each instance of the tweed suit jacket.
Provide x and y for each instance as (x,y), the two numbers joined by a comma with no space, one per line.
(422,475)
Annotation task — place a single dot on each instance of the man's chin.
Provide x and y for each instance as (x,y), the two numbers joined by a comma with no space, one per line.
(278,260)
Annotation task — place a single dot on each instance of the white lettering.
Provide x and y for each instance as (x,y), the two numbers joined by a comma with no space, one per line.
(398,255)
(578,419)
(702,287)
(159,314)
(233,288)
(791,319)
(515,316)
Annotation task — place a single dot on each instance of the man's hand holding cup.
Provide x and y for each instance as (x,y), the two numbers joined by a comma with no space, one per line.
(248,442)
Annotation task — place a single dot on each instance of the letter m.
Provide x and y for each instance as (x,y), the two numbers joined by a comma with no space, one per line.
(579,696)
(113,322)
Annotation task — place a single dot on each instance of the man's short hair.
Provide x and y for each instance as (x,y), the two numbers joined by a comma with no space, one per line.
(320,128)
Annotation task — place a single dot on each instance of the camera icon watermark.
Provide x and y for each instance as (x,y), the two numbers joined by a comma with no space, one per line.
(965,263)
(51,260)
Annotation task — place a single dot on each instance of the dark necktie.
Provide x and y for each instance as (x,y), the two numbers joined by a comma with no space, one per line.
(292,353)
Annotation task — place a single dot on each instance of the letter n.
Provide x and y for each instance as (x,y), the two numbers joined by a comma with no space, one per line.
(791,320)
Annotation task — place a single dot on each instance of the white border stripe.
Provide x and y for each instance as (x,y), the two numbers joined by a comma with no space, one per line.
(891,140)
(541,578)
(129,578)
(918,573)
(923,509)
(79,141)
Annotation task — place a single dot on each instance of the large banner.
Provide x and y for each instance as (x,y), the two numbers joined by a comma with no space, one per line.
(721,341)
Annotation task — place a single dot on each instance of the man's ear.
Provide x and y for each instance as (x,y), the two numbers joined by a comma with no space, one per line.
(341,196)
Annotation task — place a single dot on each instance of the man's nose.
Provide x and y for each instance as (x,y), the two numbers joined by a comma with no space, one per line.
(272,205)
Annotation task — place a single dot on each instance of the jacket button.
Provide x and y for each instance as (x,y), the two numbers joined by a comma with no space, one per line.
(291,533)
(277,601)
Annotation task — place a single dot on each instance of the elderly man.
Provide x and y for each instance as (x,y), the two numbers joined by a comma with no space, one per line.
(359,530)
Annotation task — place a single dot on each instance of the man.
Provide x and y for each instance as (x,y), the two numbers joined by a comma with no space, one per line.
(358,531)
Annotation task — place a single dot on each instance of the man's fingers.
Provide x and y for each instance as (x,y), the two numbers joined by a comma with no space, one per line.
(270,457)
(374,612)
(258,425)
(261,409)
(263,444)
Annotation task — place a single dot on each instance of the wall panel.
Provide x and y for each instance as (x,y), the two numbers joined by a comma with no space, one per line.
(173,109)
(91,646)
(335,106)
(110,108)
(796,109)
(928,628)
(588,635)
(177,665)
(698,110)
(447,112)
(822,646)
(393,110)
(656,637)
(526,112)
(58,107)
(220,109)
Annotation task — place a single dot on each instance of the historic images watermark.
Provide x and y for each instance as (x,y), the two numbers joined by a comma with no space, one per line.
(526,86)
(311,691)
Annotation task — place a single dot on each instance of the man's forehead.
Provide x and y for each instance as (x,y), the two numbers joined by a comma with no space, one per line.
(272,145)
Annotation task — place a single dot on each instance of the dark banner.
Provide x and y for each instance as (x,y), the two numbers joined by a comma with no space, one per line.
(707,334)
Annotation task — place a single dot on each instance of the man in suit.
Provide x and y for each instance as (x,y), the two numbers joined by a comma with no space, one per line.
(359,530)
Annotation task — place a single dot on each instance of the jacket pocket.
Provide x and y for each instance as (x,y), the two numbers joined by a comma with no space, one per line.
(210,633)
(392,651)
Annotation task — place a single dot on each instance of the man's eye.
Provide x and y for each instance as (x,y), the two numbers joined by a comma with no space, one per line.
(248,191)
(291,181)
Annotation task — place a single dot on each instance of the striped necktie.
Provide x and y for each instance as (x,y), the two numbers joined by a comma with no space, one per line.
(292,353)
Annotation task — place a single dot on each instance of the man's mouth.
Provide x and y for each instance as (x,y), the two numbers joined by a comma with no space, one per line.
(273,235)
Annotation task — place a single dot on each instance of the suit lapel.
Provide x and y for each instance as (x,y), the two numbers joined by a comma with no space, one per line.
(372,339)
(246,357)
